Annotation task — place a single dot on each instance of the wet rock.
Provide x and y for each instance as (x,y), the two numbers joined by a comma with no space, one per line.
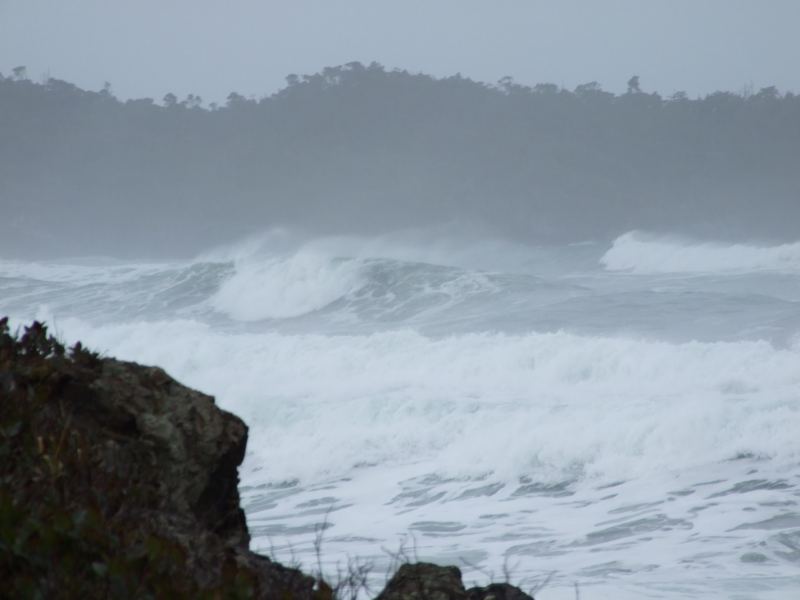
(426,581)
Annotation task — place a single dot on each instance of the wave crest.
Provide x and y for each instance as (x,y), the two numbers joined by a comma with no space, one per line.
(285,287)
(640,253)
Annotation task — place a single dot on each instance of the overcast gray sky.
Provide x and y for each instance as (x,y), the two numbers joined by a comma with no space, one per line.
(212,47)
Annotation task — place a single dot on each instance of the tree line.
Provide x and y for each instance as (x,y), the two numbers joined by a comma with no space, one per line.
(362,149)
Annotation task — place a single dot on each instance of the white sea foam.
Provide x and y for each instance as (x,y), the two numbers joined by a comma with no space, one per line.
(641,253)
(554,406)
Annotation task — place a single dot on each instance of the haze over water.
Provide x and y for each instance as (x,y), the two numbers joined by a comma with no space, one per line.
(619,415)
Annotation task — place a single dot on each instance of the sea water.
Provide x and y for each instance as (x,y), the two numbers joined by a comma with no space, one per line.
(604,420)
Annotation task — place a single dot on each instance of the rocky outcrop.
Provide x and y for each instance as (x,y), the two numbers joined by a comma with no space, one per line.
(116,481)
(497,591)
(425,581)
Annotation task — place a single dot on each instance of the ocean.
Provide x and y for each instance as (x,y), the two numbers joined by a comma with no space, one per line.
(602,420)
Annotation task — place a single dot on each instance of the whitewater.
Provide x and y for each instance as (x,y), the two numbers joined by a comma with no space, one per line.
(613,419)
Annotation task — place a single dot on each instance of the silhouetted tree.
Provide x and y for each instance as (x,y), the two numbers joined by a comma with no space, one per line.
(587,89)
(192,101)
(545,88)
(106,92)
(768,93)
(235,100)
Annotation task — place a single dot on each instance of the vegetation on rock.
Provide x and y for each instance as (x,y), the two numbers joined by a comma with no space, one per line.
(118,482)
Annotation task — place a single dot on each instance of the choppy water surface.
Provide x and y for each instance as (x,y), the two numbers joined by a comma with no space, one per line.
(624,417)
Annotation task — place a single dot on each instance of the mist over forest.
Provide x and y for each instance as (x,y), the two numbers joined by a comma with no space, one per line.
(361,149)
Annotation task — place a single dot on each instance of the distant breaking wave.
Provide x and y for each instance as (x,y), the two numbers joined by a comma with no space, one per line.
(281,276)
(639,253)
(285,287)
(279,288)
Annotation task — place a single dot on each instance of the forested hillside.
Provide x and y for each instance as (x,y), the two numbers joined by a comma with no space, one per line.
(359,149)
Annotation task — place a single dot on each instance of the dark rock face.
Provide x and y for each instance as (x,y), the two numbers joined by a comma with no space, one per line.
(497,591)
(124,477)
(194,447)
(117,482)
(425,581)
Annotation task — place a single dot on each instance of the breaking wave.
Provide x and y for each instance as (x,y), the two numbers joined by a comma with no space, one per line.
(640,253)
(564,405)
(284,287)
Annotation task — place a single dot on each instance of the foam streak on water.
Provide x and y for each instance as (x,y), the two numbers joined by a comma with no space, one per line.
(625,418)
